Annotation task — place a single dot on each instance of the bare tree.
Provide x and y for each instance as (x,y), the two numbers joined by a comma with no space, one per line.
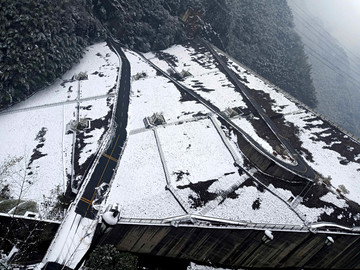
(5,169)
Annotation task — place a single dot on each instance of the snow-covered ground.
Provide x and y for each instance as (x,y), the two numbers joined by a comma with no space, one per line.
(35,130)
(139,184)
(327,161)
(206,79)
(155,94)
(248,203)
(200,166)
(196,149)
(312,134)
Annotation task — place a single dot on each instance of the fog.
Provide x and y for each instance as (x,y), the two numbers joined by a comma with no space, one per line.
(341,18)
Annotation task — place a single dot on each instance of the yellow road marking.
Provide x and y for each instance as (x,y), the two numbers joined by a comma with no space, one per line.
(282,136)
(107,163)
(110,157)
(86,200)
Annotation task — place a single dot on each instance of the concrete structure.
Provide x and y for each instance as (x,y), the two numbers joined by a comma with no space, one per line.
(155,120)
(81,76)
(239,245)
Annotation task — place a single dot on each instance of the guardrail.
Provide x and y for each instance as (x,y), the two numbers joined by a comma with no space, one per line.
(193,220)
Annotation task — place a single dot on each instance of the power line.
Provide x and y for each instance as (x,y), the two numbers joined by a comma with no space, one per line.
(331,66)
(321,58)
(318,46)
(312,26)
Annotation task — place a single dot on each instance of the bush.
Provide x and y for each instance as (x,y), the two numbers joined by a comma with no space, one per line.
(107,257)
(343,189)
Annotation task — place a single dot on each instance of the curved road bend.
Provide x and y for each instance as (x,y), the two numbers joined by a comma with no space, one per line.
(301,169)
(104,170)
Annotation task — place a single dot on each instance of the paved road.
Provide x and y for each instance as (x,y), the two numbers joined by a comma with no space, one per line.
(104,170)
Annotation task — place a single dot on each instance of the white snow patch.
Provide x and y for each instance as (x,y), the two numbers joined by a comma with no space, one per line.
(139,184)
(313,214)
(195,148)
(241,208)
(155,94)
(245,125)
(332,198)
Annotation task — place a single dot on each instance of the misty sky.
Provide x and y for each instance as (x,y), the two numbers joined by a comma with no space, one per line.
(340,17)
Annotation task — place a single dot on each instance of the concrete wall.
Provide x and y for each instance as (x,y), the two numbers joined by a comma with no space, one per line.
(262,162)
(239,247)
(32,237)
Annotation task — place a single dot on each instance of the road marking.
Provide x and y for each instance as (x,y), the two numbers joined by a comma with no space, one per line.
(305,170)
(122,114)
(264,114)
(110,157)
(120,125)
(86,200)
(282,136)
(107,163)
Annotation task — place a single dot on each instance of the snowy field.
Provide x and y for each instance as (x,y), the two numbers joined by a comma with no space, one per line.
(200,169)
(99,63)
(206,79)
(139,184)
(196,150)
(35,131)
(155,94)
(248,203)
(200,166)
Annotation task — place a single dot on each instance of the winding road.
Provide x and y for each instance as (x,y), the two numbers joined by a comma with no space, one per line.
(107,163)
(301,168)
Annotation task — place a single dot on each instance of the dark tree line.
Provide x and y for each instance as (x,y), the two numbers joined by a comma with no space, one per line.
(261,35)
(41,39)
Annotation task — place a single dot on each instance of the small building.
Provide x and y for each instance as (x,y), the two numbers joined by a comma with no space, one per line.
(156,119)
(81,76)
(81,125)
(230,112)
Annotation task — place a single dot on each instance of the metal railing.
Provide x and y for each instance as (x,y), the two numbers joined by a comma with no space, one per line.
(198,221)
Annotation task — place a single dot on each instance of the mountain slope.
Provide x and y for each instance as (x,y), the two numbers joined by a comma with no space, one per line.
(334,73)
(261,35)
(42,41)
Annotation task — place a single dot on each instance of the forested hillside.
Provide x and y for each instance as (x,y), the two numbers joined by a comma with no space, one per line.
(42,38)
(334,73)
(261,35)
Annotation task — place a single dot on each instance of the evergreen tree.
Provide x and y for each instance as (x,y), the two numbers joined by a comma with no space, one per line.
(39,41)
(109,258)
